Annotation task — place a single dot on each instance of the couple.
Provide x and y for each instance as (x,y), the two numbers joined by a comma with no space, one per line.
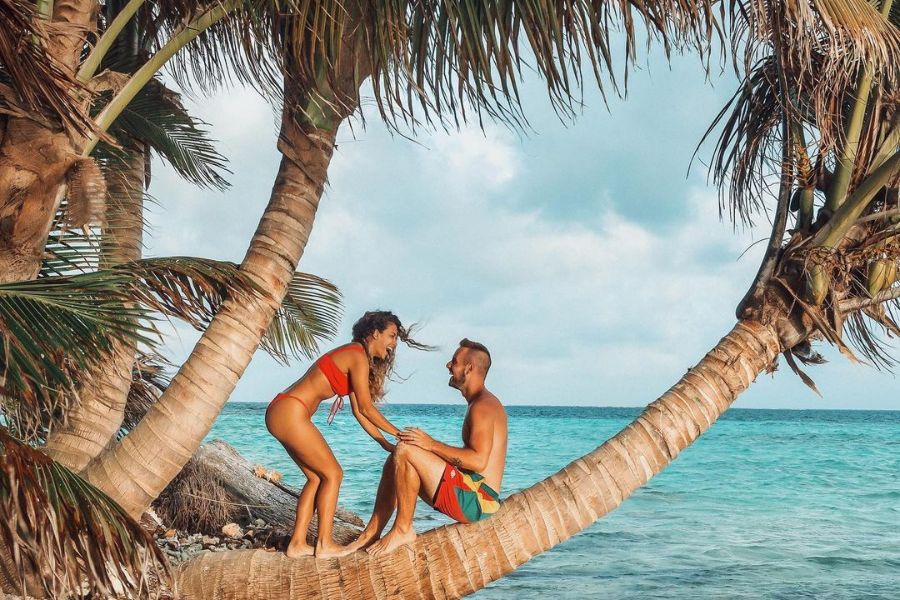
(462,483)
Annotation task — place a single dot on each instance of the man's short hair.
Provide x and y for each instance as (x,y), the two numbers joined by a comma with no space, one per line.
(482,356)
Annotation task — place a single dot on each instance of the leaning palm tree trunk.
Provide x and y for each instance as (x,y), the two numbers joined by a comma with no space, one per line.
(93,423)
(139,467)
(456,560)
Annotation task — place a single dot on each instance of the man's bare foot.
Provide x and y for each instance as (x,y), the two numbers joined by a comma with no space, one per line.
(299,550)
(393,540)
(363,541)
(331,551)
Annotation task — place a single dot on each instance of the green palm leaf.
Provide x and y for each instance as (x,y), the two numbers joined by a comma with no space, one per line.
(51,329)
(310,313)
(69,533)
(158,118)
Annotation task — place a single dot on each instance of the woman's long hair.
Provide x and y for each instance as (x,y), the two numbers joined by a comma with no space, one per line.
(381,368)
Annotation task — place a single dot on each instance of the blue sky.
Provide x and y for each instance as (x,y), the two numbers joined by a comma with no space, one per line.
(581,253)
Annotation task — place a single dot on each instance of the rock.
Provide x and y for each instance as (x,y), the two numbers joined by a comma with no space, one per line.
(259,523)
(209,541)
(232,530)
(171,533)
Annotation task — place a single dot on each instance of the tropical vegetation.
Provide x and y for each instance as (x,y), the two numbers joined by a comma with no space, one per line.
(810,135)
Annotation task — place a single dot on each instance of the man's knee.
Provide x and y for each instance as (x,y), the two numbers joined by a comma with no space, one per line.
(404,451)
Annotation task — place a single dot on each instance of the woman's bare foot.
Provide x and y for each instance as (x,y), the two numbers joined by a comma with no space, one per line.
(393,540)
(298,550)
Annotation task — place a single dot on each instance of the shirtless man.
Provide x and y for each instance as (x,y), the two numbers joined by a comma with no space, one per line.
(463,483)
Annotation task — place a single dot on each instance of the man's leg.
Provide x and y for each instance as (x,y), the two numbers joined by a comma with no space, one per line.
(385,502)
(416,472)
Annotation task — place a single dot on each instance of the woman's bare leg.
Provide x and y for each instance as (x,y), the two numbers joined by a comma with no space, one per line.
(289,422)
(298,545)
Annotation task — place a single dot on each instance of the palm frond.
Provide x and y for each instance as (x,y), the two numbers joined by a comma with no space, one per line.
(51,329)
(36,82)
(433,60)
(148,382)
(749,149)
(70,533)
(158,118)
(309,314)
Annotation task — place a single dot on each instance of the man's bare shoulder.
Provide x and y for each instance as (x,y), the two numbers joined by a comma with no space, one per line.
(487,406)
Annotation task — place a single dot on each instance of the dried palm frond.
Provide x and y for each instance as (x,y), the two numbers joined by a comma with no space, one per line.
(196,500)
(39,83)
(433,60)
(72,535)
(148,382)
(86,193)
(831,38)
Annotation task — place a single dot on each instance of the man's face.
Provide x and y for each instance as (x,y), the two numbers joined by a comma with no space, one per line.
(458,369)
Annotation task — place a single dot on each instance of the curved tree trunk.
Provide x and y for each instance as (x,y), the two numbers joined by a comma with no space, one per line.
(456,560)
(139,467)
(93,423)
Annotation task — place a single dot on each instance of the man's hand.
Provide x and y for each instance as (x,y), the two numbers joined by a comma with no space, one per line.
(416,437)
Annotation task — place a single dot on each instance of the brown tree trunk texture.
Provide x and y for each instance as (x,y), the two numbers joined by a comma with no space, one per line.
(91,426)
(258,498)
(34,158)
(139,467)
(456,560)
(33,164)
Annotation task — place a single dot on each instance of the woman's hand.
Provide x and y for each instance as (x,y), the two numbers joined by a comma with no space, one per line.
(416,437)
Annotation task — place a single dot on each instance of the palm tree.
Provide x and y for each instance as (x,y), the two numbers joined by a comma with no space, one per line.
(809,75)
(433,62)
(49,130)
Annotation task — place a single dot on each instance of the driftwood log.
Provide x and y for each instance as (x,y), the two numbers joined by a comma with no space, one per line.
(257,498)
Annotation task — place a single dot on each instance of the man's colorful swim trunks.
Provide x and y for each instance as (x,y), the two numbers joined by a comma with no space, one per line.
(463,495)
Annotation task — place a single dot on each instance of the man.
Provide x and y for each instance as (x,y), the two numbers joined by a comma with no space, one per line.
(463,483)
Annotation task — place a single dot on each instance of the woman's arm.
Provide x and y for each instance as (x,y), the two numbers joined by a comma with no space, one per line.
(368,425)
(359,381)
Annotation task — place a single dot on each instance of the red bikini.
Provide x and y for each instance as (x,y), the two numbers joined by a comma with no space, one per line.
(340,382)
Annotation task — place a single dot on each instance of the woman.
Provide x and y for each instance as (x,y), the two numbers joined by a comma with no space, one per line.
(357,369)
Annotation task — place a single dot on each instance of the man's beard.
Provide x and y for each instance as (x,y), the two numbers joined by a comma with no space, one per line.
(456,383)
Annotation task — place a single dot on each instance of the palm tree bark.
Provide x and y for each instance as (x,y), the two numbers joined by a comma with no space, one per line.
(456,560)
(35,156)
(139,467)
(93,423)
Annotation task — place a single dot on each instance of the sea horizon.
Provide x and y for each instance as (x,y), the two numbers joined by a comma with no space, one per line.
(768,503)
(510,405)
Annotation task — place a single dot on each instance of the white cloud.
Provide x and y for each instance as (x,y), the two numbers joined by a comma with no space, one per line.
(599,309)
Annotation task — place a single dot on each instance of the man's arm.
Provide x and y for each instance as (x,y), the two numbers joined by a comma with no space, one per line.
(473,456)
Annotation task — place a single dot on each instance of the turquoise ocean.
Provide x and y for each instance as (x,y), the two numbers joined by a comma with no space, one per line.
(766,504)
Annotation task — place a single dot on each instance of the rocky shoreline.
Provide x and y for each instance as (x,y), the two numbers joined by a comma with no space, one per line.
(180,546)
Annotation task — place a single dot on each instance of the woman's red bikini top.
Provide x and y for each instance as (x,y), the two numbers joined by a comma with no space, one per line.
(340,382)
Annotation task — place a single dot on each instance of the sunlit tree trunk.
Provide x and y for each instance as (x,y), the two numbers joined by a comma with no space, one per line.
(456,560)
(139,467)
(93,423)
(34,158)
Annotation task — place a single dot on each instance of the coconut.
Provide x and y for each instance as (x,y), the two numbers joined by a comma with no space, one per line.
(881,275)
(816,285)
